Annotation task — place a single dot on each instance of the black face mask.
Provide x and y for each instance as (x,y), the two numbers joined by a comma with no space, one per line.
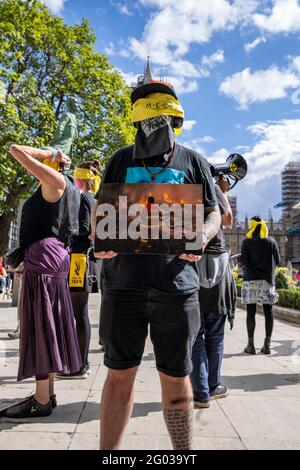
(155,136)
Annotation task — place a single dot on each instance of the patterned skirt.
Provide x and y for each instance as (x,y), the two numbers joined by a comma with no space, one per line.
(259,292)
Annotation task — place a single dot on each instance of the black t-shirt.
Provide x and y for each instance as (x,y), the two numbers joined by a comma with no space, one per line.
(42,219)
(217,244)
(161,272)
(260,256)
(81,243)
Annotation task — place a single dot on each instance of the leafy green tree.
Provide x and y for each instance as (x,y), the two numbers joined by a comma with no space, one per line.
(42,61)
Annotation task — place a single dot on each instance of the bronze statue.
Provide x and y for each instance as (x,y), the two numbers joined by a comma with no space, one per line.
(66,130)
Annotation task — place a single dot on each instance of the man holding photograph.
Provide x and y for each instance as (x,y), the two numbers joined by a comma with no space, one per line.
(160,291)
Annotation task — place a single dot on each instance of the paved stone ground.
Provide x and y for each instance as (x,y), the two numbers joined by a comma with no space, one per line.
(261,412)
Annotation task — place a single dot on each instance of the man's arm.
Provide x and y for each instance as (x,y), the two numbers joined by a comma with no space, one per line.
(212,222)
(226,213)
(93,219)
(106,178)
(276,254)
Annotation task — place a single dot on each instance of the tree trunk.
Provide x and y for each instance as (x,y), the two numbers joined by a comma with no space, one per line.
(5,222)
(12,201)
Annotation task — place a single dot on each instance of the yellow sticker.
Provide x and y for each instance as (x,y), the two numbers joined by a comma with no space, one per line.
(77,270)
(233,167)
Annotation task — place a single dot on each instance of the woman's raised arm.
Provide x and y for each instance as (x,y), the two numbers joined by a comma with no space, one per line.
(53,182)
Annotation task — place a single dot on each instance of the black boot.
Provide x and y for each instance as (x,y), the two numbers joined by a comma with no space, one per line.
(266,347)
(250,349)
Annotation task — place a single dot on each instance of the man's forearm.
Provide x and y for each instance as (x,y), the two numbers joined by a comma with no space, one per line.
(93,217)
(38,154)
(212,223)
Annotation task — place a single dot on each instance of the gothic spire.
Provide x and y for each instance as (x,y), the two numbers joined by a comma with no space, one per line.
(147,74)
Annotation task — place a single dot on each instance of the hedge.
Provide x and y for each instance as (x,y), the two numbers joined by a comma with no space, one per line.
(289,298)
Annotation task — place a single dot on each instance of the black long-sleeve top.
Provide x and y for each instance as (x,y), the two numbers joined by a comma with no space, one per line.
(260,256)
(81,243)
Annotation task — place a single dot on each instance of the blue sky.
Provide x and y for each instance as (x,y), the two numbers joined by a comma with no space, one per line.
(235,65)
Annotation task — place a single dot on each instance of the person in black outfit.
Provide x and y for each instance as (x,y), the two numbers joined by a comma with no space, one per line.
(217,297)
(260,256)
(87,176)
(156,291)
(48,340)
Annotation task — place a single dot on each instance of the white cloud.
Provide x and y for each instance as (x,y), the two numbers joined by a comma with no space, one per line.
(278,143)
(55,5)
(124,9)
(248,87)
(112,50)
(188,125)
(206,139)
(295,63)
(219,156)
(283,18)
(185,68)
(242,148)
(174,26)
(213,59)
(249,46)
(194,144)
(182,85)
(129,78)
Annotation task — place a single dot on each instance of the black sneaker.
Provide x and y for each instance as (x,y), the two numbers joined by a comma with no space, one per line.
(199,404)
(88,368)
(53,401)
(14,335)
(219,392)
(29,409)
(52,398)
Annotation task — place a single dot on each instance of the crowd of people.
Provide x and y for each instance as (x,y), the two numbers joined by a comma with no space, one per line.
(183,300)
(6,278)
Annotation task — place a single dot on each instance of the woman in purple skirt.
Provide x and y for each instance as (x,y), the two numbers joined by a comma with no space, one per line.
(48,341)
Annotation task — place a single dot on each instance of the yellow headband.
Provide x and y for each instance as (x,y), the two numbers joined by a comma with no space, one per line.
(86,174)
(264,232)
(157,104)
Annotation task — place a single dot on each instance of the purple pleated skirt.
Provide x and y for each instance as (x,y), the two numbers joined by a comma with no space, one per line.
(48,341)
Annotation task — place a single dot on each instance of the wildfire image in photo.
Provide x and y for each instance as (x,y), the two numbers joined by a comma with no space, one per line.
(149,218)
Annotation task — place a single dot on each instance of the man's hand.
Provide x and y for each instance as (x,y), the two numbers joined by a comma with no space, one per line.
(62,158)
(105,254)
(190,258)
(223,185)
(193,258)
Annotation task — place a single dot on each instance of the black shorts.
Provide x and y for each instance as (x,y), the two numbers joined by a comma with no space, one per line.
(174,322)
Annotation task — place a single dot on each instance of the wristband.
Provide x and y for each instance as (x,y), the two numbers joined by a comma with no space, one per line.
(54,155)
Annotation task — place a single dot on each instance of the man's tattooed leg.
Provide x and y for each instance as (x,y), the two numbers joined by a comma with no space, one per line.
(180,427)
